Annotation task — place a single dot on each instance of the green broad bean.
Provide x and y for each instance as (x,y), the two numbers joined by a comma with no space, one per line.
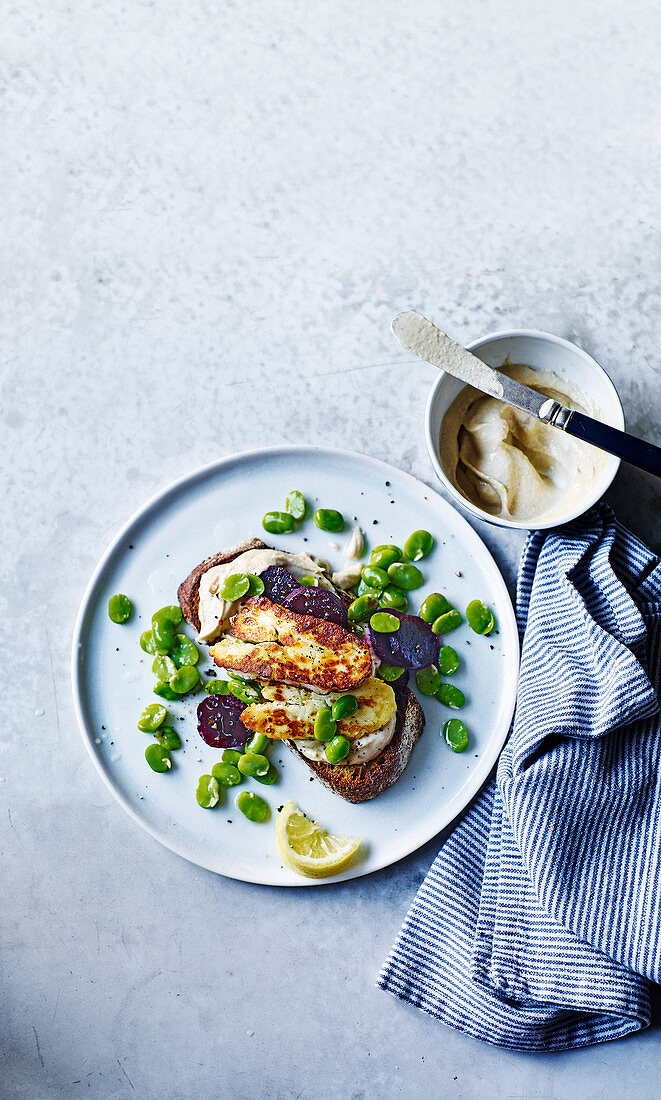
(168,738)
(362,607)
(446,622)
(256,585)
(163,667)
(257,743)
(337,749)
(272,776)
(418,545)
(120,608)
(394,597)
(385,555)
(231,756)
(235,586)
(246,692)
(278,523)
(325,725)
(184,651)
(253,764)
(451,696)
(448,660)
(480,617)
(367,589)
(207,793)
(344,707)
(152,717)
(171,613)
(308,581)
(428,680)
(217,687)
(164,634)
(184,679)
(404,575)
(390,673)
(226,775)
(329,519)
(296,504)
(148,643)
(163,689)
(455,734)
(374,576)
(252,806)
(434,605)
(384,623)
(158,758)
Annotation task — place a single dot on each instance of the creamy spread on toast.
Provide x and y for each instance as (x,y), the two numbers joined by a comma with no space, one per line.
(214,612)
(363,749)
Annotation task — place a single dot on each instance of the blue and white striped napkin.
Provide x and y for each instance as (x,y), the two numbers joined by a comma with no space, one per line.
(538,927)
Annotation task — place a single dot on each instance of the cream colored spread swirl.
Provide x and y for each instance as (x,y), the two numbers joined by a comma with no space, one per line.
(509,463)
(214,612)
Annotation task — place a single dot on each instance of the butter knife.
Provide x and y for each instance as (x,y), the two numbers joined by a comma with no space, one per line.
(417,334)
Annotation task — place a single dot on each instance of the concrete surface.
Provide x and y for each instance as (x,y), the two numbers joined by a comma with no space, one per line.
(211,213)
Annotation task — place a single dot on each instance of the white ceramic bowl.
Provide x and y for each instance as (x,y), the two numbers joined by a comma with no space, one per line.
(541,351)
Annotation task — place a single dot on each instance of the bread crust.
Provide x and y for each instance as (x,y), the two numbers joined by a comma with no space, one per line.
(189,590)
(361,782)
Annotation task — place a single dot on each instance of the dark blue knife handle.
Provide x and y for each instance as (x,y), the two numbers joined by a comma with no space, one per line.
(620,444)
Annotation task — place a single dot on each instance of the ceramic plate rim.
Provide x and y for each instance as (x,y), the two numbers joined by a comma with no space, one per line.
(451,809)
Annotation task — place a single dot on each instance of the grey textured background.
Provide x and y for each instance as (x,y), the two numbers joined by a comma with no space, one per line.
(210,214)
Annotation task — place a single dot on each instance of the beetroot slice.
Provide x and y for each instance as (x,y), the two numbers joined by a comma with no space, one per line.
(219,721)
(308,600)
(414,645)
(278,583)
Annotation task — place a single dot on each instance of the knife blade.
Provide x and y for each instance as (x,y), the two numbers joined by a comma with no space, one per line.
(418,335)
(415,333)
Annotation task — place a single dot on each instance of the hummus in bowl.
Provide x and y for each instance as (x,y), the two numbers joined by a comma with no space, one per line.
(507,467)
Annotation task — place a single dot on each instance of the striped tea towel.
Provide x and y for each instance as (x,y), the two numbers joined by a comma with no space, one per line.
(538,927)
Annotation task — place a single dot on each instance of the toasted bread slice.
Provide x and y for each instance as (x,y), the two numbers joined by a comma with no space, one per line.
(289,712)
(361,782)
(356,782)
(270,642)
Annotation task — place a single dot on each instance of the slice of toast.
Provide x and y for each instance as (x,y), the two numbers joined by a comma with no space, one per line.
(354,782)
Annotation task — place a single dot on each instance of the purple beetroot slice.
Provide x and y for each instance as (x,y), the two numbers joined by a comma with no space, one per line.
(308,600)
(414,645)
(278,583)
(219,722)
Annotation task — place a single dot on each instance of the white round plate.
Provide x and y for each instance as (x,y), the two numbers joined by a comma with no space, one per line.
(219,505)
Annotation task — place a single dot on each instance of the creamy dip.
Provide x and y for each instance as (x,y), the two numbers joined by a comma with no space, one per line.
(509,463)
(214,612)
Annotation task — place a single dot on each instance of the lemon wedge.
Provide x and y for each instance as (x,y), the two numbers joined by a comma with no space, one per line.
(308,849)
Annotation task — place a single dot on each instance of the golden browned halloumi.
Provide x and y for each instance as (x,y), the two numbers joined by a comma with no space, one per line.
(270,642)
(288,711)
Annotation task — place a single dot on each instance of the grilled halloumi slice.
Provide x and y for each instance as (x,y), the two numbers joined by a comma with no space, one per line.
(270,642)
(288,711)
